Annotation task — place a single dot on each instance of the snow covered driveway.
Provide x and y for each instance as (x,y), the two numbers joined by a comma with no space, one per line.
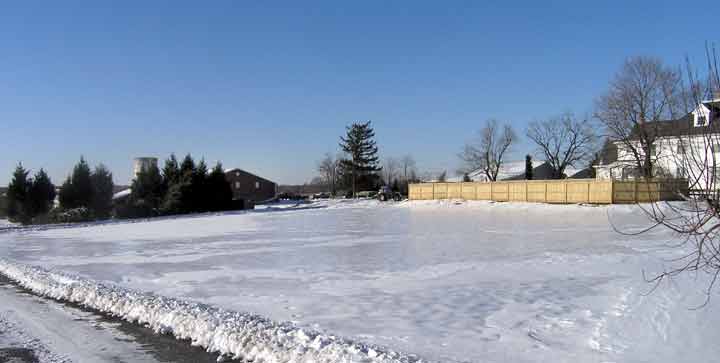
(451,282)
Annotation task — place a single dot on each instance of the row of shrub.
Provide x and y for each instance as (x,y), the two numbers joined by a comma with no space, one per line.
(87,194)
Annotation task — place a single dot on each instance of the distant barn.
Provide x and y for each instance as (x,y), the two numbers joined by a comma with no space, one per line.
(250,187)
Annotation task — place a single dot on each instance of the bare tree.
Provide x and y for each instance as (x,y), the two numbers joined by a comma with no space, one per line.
(442,177)
(642,93)
(407,164)
(488,151)
(390,170)
(563,141)
(329,169)
(696,222)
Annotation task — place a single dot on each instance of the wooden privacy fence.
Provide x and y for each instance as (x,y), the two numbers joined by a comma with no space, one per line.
(566,191)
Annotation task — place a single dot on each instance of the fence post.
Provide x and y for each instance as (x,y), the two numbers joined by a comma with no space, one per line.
(635,183)
(588,195)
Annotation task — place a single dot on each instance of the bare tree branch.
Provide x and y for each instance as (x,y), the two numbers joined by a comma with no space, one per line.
(563,141)
(488,152)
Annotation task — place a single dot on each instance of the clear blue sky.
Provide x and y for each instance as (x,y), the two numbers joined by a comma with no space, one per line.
(270,88)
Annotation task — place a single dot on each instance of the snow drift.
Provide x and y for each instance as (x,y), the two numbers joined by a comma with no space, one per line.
(233,334)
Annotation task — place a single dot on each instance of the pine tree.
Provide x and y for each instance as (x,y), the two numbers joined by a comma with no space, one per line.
(17,195)
(179,197)
(42,194)
(199,188)
(77,191)
(220,193)
(171,171)
(147,192)
(528,167)
(187,168)
(102,183)
(362,150)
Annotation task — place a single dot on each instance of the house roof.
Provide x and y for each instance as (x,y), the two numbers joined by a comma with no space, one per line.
(507,170)
(582,174)
(684,126)
(247,172)
(543,171)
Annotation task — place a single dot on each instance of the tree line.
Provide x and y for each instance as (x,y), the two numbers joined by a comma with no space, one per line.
(179,188)
(87,194)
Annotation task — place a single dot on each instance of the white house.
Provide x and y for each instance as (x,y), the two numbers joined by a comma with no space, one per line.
(688,147)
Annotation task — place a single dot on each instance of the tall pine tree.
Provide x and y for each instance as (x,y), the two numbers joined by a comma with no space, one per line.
(220,193)
(102,183)
(362,151)
(77,190)
(18,196)
(528,167)
(147,192)
(171,171)
(42,194)
(187,167)
(199,188)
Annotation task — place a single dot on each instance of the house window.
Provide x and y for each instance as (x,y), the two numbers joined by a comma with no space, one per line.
(237,173)
(701,120)
(257,185)
(237,185)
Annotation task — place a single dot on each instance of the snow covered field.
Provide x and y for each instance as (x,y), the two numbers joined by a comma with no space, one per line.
(451,282)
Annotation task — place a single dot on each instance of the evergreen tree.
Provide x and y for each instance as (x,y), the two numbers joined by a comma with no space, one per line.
(102,183)
(362,150)
(199,187)
(180,197)
(466,178)
(147,192)
(187,168)
(77,191)
(171,171)
(528,167)
(220,193)
(42,194)
(18,196)
(173,202)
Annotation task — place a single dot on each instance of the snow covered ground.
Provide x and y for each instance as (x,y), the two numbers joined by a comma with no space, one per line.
(454,282)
